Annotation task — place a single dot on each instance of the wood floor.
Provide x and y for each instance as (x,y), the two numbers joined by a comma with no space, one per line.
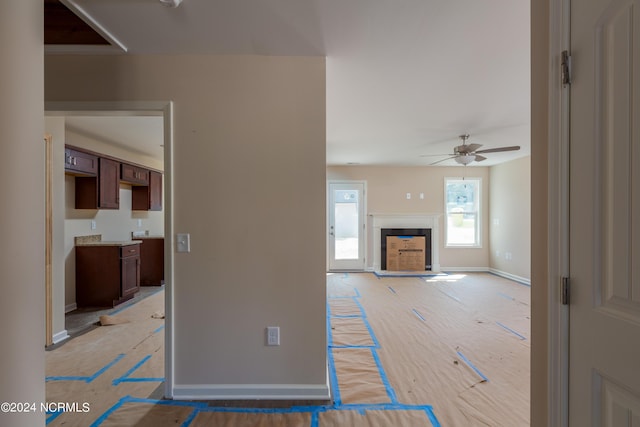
(447,350)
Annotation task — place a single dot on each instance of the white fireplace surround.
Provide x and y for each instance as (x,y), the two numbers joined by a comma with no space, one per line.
(378,221)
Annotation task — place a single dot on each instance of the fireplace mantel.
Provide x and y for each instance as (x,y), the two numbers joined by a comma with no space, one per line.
(398,220)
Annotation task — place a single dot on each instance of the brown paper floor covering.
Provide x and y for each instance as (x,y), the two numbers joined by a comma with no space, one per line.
(445,350)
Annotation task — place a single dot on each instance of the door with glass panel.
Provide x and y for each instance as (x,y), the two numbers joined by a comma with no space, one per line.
(346,226)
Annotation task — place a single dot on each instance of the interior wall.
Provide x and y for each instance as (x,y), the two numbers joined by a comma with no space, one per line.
(112,224)
(387,189)
(22,224)
(249,186)
(510,221)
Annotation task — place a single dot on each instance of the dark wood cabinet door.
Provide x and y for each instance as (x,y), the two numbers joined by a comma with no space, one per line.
(130,281)
(151,261)
(148,198)
(134,175)
(80,163)
(109,184)
(155,191)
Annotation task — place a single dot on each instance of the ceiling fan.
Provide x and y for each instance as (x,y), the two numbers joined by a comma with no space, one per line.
(467,153)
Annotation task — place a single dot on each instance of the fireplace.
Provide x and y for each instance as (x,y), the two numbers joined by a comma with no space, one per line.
(423,232)
(395,221)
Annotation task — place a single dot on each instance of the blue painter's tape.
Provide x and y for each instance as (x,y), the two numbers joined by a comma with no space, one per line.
(357,292)
(432,417)
(110,411)
(85,378)
(353,346)
(392,290)
(69,378)
(345,275)
(367,325)
(468,362)
(419,315)
(53,416)
(187,422)
(127,378)
(158,330)
(315,419)
(383,376)
(104,369)
(522,337)
(333,377)
(510,298)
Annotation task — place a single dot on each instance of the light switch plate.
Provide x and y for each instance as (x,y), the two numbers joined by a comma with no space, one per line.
(183,242)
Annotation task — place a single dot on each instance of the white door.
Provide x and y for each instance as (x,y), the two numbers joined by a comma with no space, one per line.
(604,314)
(346,226)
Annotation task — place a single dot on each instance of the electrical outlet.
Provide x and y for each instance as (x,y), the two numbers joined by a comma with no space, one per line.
(139,223)
(273,335)
(93,224)
(408,196)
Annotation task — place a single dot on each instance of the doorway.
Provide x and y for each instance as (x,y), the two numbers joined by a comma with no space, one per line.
(346,226)
(159,223)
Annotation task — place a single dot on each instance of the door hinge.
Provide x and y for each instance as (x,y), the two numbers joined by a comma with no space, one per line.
(565,67)
(565,290)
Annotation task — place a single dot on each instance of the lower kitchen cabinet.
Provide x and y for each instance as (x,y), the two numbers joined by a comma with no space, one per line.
(152,261)
(107,274)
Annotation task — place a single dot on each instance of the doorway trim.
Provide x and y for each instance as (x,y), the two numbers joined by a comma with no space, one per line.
(364,221)
(558,150)
(144,108)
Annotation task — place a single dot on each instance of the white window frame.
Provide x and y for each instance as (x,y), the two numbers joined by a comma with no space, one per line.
(478,213)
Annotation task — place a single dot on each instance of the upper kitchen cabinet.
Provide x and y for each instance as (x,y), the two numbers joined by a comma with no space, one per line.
(148,198)
(98,179)
(80,163)
(134,175)
(101,192)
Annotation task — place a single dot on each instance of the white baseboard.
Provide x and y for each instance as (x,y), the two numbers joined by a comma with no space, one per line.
(60,336)
(462,269)
(70,307)
(510,276)
(251,391)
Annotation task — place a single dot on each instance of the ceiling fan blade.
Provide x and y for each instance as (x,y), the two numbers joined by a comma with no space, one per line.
(480,158)
(499,149)
(473,147)
(431,155)
(443,160)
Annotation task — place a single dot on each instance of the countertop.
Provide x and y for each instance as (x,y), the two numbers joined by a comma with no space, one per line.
(96,240)
(111,243)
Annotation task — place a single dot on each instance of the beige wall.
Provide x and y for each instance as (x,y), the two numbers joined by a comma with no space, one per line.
(249,186)
(510,221)
(386,193)
(112,224)
(22,217)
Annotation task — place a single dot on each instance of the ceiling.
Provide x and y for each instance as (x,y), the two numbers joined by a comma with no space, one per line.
(404,77)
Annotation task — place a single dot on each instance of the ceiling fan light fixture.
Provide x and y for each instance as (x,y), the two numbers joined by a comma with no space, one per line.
(465,159)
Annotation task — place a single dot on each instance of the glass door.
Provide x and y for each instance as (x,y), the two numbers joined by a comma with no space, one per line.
(346,226)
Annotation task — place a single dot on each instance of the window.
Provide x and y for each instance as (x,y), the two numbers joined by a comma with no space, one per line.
(462,212)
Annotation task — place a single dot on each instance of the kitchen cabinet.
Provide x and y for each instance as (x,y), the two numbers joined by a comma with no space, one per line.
(148,198)
(107,274)
(134,175)
(151,261)
(78,162)
(101,192)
